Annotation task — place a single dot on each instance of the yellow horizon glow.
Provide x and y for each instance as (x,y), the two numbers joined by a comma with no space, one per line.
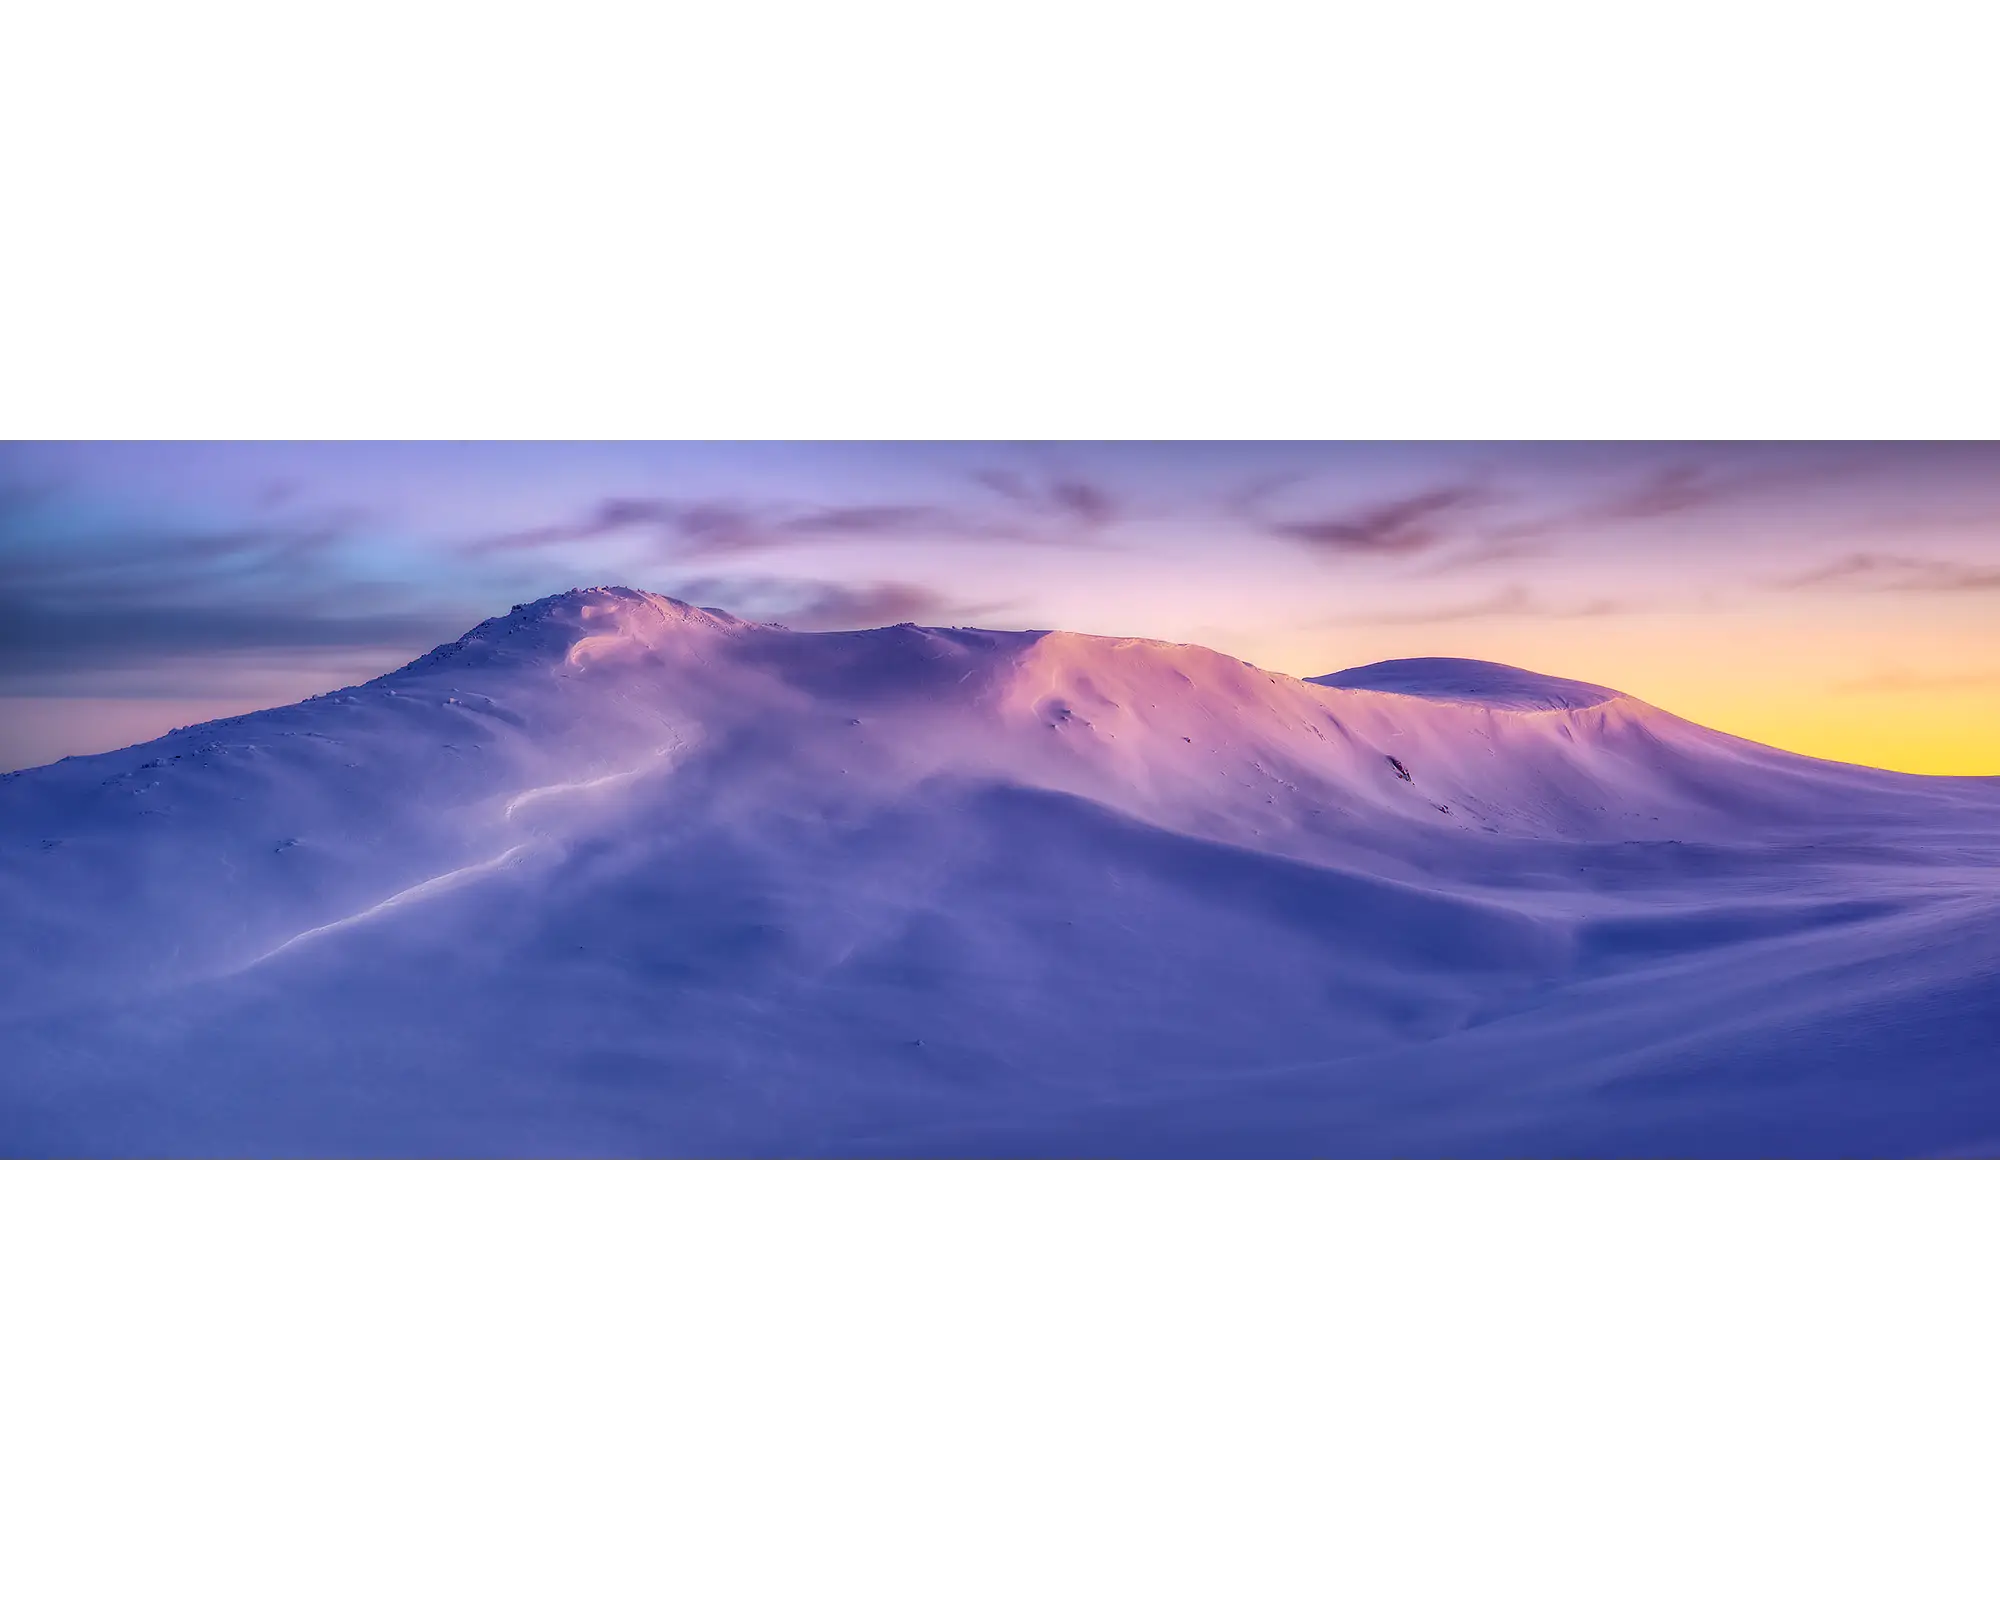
(1921,696)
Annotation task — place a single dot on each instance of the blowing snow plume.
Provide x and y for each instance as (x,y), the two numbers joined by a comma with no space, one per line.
(616,875)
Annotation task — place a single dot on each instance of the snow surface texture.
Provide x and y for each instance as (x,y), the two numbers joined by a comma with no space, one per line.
(613,875)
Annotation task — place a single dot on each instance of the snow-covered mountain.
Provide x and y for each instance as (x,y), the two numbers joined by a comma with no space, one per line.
(616,875)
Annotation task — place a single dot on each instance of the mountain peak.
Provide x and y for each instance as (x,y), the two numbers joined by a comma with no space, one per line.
(579,623)
(1458,678)
(613,600)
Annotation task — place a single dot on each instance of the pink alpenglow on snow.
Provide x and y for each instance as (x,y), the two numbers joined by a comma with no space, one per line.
(618,875)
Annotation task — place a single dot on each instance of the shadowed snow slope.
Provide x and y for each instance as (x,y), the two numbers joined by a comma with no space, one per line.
(616,875)
(1478,682)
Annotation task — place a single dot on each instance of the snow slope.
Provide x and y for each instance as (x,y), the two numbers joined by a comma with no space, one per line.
(616,875)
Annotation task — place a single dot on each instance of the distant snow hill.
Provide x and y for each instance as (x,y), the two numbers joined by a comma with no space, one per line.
(613,875)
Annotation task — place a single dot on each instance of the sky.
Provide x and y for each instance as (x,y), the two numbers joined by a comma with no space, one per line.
(1842,600)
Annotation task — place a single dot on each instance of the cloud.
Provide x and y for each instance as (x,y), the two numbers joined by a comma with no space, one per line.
(1061,508)
(1464,522)
(168,610)
(1665,491)
(42,635)
(1513,601)
(681,526)
(1389,527)
(863,519)
(1670,490)
(1060,496)
(817,605)
(121,645)
(1470,521)
(1926,574)
(838,605)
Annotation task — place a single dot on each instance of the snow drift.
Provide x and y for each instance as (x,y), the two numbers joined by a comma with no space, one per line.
(613,874)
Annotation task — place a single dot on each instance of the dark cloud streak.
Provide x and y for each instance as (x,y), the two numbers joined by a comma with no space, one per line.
(1910,574)
(1058,509)
(1390,527)
(1063,497)
(1469,521)
(815,605)
(178,604)
(838,605)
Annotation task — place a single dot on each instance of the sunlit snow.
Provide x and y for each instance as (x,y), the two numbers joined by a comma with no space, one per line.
(616,875)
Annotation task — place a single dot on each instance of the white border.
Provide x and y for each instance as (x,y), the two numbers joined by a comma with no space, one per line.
(1070,1379)
(884,220)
